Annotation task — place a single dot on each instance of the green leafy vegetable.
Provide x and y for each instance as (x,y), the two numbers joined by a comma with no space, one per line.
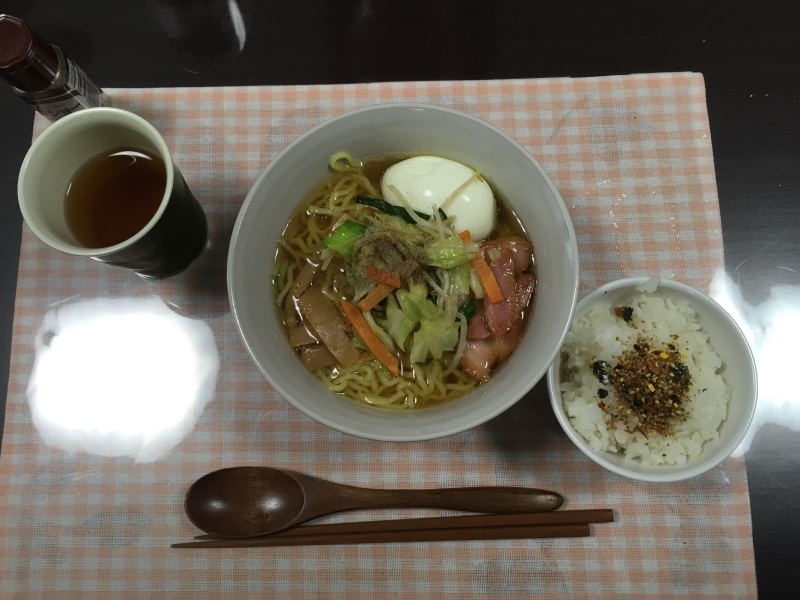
(397,324)
(459,281)
(450,252)
(437,332)
(343,239)
(394,210)
(416,307)
(435,337)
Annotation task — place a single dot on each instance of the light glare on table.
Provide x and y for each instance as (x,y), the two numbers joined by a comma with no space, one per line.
(120,377)
(772,329)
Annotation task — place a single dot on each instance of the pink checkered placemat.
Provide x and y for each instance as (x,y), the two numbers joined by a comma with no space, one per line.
(632,158)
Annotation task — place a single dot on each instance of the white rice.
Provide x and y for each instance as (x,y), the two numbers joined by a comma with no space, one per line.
(600,335)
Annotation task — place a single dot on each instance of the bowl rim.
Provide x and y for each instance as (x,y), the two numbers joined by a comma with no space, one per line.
(513,398)
(695,466)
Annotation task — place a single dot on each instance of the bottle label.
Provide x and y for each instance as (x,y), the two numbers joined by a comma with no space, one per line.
(79,92)
(79,81)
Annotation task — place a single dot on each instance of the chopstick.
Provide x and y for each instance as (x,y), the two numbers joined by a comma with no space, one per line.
(383,537)
(559,517)
(572,523)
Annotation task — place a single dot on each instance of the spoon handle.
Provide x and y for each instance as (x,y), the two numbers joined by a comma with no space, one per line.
(471,499)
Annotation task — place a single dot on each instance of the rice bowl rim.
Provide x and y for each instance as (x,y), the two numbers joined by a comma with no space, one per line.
(744,361)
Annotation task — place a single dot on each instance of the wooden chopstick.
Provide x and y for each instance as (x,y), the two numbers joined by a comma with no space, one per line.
(417,535)
(530,521)
(558,517)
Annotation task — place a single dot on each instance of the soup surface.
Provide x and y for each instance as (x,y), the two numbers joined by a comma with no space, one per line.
(383,293)
(113,195)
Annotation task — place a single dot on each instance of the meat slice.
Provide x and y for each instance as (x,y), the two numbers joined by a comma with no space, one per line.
(480,356)
(523,290)
(497,319)
(328,325)
(477,328)
(500,316)
(520,247)
(504,346)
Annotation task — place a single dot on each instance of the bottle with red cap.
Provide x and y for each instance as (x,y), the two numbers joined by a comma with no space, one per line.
(41,75)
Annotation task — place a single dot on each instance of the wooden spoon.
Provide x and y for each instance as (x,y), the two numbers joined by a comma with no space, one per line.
(252,501)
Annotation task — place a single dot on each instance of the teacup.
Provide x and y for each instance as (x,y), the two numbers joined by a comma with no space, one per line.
(164,245)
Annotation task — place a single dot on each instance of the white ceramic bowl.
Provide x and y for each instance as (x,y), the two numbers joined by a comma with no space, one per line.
(402,128)
(738,370)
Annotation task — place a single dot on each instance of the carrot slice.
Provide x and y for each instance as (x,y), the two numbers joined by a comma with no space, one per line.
(381,352)
(488,280)
(484,273)
(370,301)
(378,275)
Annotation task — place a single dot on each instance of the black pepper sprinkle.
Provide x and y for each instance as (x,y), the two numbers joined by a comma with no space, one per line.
(602,393)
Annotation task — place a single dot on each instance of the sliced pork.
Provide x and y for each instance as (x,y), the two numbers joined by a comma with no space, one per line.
(500,315)
(524,291)
(521,248)
(480,356)
(477,328)
(496,330)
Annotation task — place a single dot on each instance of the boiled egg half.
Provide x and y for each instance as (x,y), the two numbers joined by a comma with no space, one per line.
(428,183)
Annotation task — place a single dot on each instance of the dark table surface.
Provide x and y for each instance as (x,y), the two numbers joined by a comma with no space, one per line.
(748,51)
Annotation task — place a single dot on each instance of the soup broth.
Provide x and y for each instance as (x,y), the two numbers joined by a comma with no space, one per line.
(304,271)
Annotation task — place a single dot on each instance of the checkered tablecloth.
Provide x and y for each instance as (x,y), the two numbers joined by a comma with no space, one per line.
(632,158)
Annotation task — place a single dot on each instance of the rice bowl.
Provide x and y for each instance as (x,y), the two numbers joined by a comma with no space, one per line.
(655,381)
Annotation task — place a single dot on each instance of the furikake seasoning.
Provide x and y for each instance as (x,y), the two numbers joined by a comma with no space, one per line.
(651,382)
(624,312)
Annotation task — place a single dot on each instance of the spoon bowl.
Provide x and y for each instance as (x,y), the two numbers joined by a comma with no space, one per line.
(244,499)
(252,501)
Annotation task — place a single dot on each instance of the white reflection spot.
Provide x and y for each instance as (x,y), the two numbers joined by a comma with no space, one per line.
(238,23)
(271,504)
(772,328)
(120,377)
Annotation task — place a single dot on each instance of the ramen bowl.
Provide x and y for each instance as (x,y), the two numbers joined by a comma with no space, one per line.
(390,129)
(720,417)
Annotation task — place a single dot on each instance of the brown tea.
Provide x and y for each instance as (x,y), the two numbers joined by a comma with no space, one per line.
(113,195)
